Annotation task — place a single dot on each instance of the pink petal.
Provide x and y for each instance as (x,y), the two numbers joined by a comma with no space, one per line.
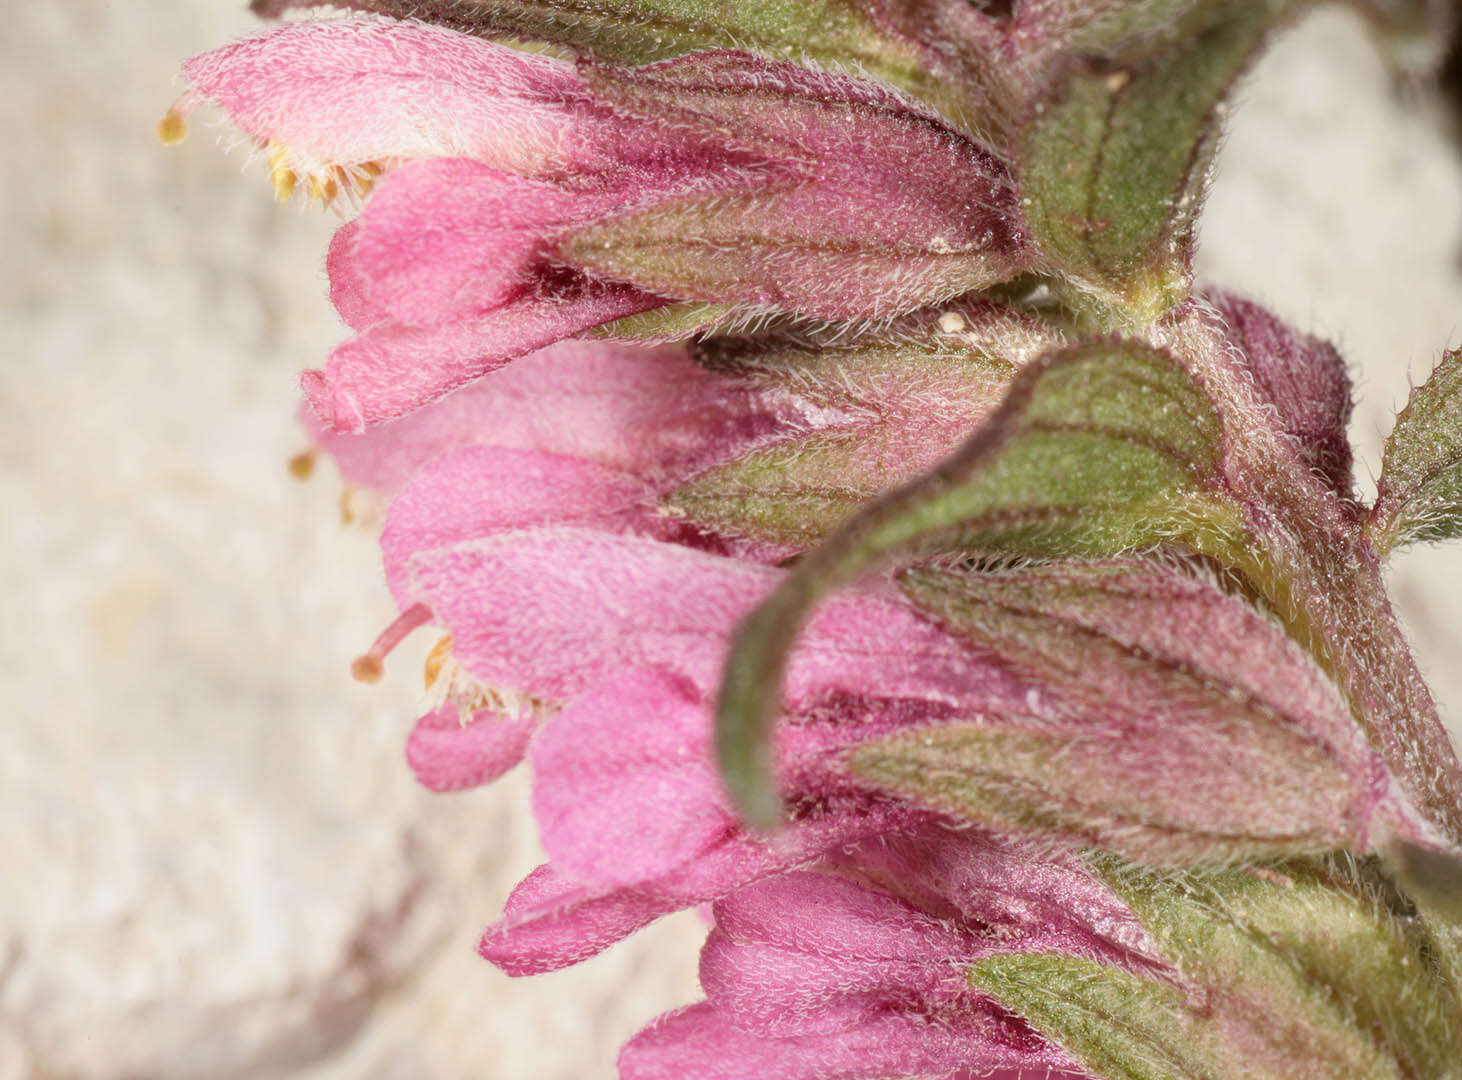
(808,952)
(626,793)
(553,611)
(648,410)
(448,238)
(429,92)
(349,289)
(831,916)
(552,922)
(624,789)
(1036,895)
(390,370)
(700,1042)
(447,755)
(478,490)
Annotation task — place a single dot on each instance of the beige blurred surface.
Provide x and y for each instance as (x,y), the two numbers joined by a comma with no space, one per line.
(216,862)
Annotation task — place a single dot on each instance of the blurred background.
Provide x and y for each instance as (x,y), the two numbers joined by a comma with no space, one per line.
(215,862)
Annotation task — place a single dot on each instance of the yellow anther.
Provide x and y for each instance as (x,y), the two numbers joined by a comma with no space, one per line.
(172,128)
(284,181)
(302,465)
(281,173)
(323,184)
(436,659)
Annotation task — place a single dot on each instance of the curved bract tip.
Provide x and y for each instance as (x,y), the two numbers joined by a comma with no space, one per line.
(749,702)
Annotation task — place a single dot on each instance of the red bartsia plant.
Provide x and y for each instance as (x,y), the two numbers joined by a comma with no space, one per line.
(799,418)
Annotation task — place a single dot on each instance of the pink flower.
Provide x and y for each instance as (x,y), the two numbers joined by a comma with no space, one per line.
(621,407)
(517,185)
(626,747)
(857,967)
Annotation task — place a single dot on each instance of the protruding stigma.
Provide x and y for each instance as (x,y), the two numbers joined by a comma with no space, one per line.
(371,665)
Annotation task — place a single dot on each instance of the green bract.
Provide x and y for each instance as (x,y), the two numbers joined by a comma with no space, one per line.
(1345,979)
(1420,491)
(1097,449)
(1115,157)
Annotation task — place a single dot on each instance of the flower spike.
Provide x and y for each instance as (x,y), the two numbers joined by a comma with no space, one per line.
(675,320)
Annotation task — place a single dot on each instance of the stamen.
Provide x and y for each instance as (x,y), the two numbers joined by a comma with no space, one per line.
(369,667)
(440,654)
(172,128)
(280,173)
(323,184)
(446,681)
(302,465)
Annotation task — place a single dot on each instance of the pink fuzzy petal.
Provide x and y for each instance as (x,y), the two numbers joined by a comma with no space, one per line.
(478,490)
(649,410)
(391,370)
(831,916)
(447,755)
(349,289)
(624,788)
(448,238)
(626,793)
(808,952)
(428,92)
(556,610)
(699,1042)
(552,922)
(1036,896)
(740,857)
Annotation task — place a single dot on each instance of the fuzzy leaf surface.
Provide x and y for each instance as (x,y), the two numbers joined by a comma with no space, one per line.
(1096,450)
(1121,1026)
(898,401)
(1420,491)
(1306,380)
(1304,970)
(1114,159)
(1325,950)
(1194,729)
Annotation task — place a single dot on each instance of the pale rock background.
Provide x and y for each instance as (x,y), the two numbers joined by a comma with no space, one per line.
(213,861)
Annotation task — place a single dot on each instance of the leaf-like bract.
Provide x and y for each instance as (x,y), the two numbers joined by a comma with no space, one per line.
(1301,970)
(1420,491)
(831,232)
(1173,723)
(1097,449)
(1114,161)
(894,404)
